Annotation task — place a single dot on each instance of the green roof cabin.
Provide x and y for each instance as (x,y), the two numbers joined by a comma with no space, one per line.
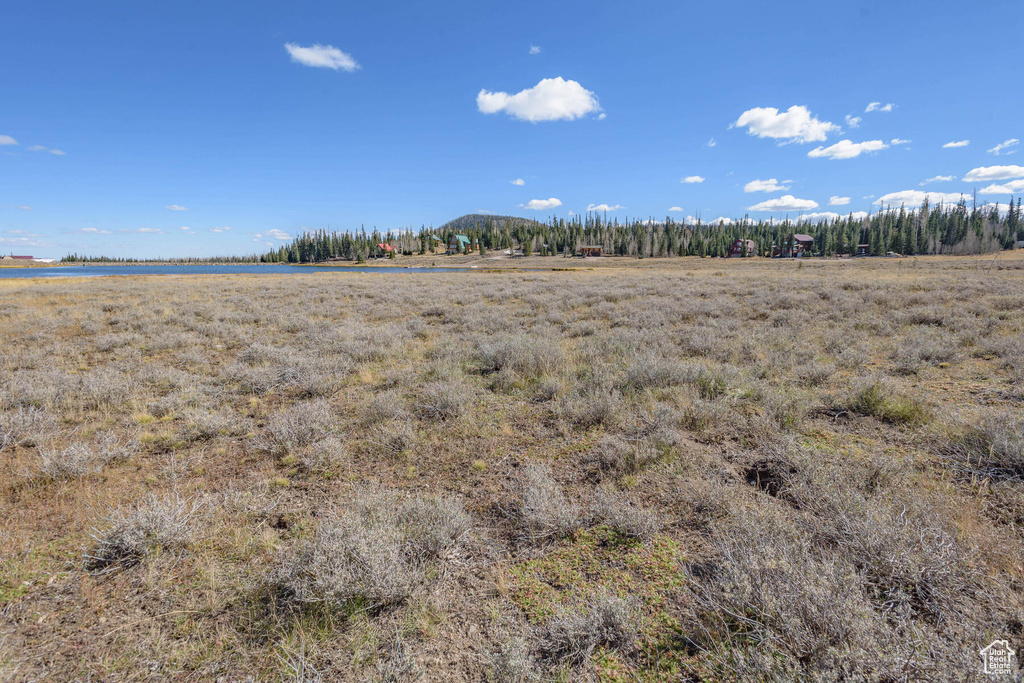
(457,244)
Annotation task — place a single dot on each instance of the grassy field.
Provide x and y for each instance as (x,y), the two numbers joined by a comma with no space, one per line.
(651,470)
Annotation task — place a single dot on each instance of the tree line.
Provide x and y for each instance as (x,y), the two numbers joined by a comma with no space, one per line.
(942,229)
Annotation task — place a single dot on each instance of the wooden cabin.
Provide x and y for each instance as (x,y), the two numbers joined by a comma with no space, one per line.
(741,248)
(591,250)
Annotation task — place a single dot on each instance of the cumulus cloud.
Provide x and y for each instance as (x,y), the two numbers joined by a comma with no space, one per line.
(534,50)
(7,140)
(711,142)
(770,185)
(786,202)
(553,99)
(937,179)
(675,208)
(220,229)
(1012,187)
(956,143)
(917,198)
(604,207)
(1006,144)
(176,207)
(853,121)
(92,231)
(985,174)
(835,200)
(844,149)
(541,204)
(279,235)
(794,125)
(518,181)
(36,148)
(817,217)
(692,179)
(323,56)
(899,141)
(878,106)
(858,215)
(58,152)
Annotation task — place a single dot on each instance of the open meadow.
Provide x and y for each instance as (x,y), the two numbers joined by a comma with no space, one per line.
(694,469)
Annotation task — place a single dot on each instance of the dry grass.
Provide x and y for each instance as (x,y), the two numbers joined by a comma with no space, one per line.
(656,471)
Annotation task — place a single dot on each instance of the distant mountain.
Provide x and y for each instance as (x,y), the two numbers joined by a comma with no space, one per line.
(472,220)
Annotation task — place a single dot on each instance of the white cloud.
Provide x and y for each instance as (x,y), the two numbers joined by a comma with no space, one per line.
(1012,187)
(956,143)
(93,231)
(711,142)
(786,202)
(279,235)
(142,231)
(899,141)
(519,181)
(675,208)
(220,229)
(25,242)
(938,179)
(176,207)
(692,179)
(986,173)
(917,197)
(542,204)
(187,229)
(553,99)
(844,149)
(41,148)
(817,217)
(858,215)
(838,201)
(770,185)
(604,207)
(721,219)
(794,125)
(853,121)
(325,56)
(998,149)
(7,140)
(878,106)
(534,50)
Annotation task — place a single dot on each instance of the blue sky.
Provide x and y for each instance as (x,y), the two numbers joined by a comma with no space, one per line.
(122,124)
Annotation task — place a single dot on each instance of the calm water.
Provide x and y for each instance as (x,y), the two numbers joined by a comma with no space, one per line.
(99,271)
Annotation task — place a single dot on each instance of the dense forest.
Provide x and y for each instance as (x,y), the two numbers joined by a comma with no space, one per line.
(949,229)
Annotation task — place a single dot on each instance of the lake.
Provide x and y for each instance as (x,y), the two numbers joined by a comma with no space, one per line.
(275,269)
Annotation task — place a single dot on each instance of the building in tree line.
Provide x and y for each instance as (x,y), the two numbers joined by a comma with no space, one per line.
(24,258)
(457,244)
(741,248)
(590,250)
(797,244)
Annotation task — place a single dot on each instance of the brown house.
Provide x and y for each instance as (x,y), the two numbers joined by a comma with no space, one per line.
(592,250)
(741,248)
(796,245)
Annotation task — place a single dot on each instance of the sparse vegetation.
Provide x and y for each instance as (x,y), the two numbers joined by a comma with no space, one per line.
(674,470)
